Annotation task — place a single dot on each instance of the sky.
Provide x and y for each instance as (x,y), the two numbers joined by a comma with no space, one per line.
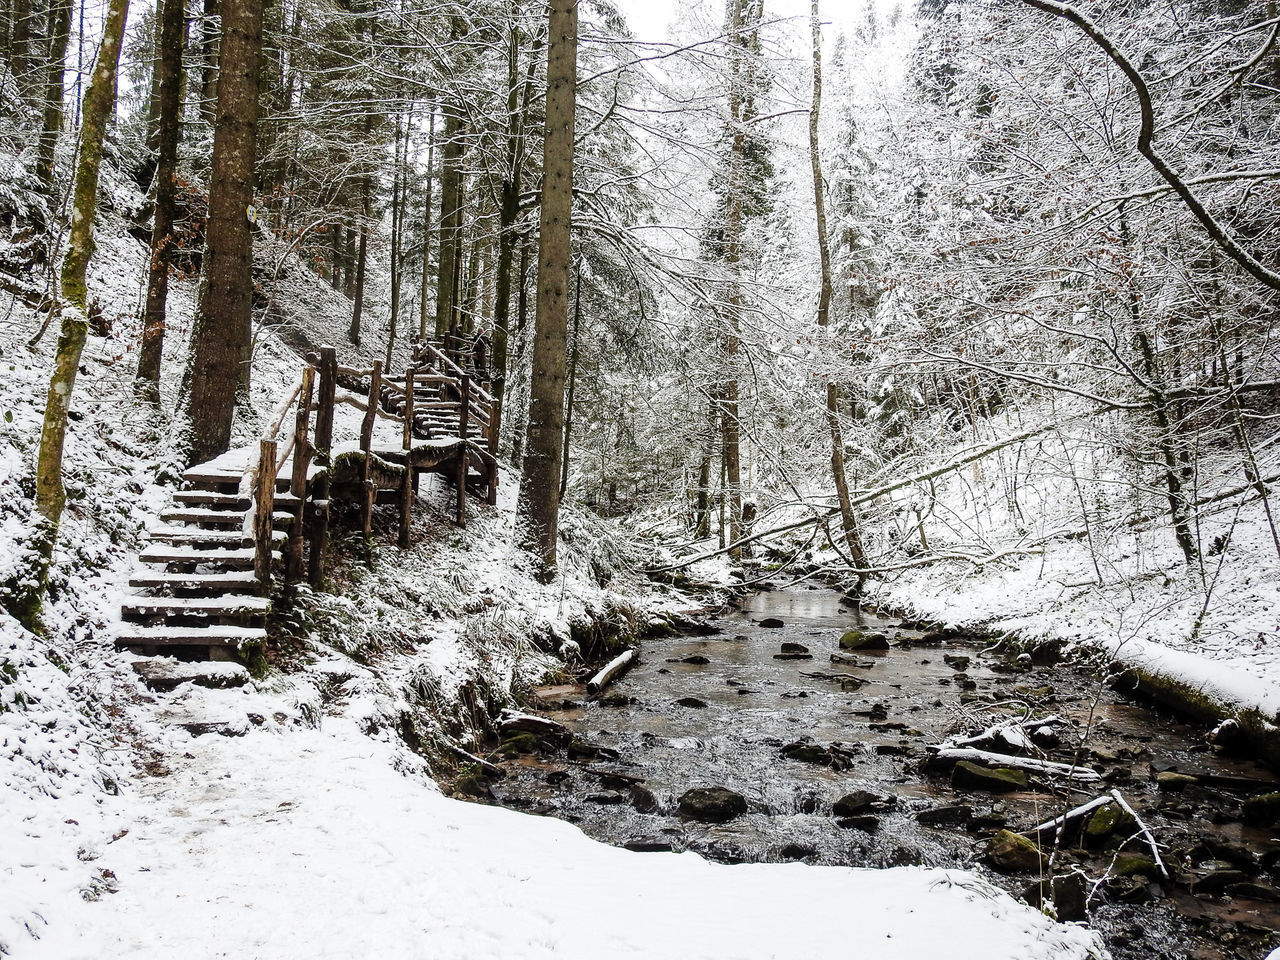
(650,18)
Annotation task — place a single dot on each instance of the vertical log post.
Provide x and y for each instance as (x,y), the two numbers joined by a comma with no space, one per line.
(406,504)
(302,451)
(264,494)
(464,407)
(493,482)
(322,447)
(369,490)
(461,479)
(319,541)
(408,408)
(324,408)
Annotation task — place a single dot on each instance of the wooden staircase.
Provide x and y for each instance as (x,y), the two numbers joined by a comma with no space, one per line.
(206,573)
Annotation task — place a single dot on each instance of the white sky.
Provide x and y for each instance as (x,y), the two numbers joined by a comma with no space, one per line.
(650,18)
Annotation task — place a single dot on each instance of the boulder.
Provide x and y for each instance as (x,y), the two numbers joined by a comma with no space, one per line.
(945,816)
(866,821)
(1013,853)
(772,623)
(860,802)
(1070,894)
(971,776)
(1106,823)
(1135,865)
(698,660)
(1216,881)
(794,648)
(712,804)
(693,703)
(1263,810)
(862,640)
(956,661)
(1254,891)
(793,656)
(1174,782)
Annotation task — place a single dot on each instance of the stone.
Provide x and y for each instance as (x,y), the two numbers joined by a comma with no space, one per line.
(520,743)
(1262,810)
(609,799)
(956,661)
(580,749)
(698,660)
(647,845)
(692,702)
(797,851)
(970,776)
(1070,897)
(948,815)
(1135,865)
(511,722)
(861,640)
(712,804)
(794,648)
(1013,853)
(642,799)
(616,700)
(1254,891)
(866,822)
(1108,822)
(793,656)
(860,802)
(772,623)
(1216,881)
(1174,782)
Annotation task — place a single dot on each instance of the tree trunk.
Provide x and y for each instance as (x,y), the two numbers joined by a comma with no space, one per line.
(539,501)
(522,322)
(397,219)
(168,100)
(50,495)
(51,121)
(847,519)
(221,334)
(426,224)
(450,207)
(573,381)
(20,46)
(209,35)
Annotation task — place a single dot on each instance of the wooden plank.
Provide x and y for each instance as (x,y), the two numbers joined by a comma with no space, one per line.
(231,501)
(214,636)
(221,606)
(213,582)
(235,559)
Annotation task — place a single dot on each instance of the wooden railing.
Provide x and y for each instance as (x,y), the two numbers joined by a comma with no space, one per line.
(309,441)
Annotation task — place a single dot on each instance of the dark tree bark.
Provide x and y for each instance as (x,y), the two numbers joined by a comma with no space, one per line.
(209,37)
(51,120)
(168,103)
(423,309)
(220,338)
(397,225)
(450,213)
(539,501)
(574,353)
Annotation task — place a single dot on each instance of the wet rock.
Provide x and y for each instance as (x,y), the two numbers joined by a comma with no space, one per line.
(692,703)
(1135,865)
(793,656)
(1070,897)
(608,799)
(862,640)
(794,694)
(806,751)
(649,845)
(511,722)
(988,821)
(1045,737)
(794,648)
(580,749)
(1254,891)
(797,851)
(744,692)
(891,750)
(1013,853)
(616,700)
(866,822)
(642,799)
(698,660)
(772,623)
(557,777)
(1263,810)
(852,661)
(712,804)
(860,802)
(956,661)
(1128,889)
(949,815)
(519,744)
(1174,782)
(970,776)
(1216,881)
(1106,823)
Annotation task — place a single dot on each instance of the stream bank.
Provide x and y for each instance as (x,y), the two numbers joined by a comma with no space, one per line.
(763,741)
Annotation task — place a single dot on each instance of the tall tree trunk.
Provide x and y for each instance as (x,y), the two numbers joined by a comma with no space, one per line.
(51,121)
(847,519)
(362,257)
(423,312)
(397,219)
(349,263)
(522,322)
(51,497)
(168,101)
(574,353)
(209,54)
(221,334)
(450,215)
(539,502)
(20,46)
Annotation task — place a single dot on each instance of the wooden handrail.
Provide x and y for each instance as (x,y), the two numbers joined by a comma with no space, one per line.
(481,394)
(273,431)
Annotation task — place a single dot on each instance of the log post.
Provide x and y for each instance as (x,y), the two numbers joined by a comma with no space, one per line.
(324,408)
(464,406)
(461,479)
(366,509)
(302,451)
(406,504)
(408,408)
(264,494)
(492,499)
(371,412)
(319,541)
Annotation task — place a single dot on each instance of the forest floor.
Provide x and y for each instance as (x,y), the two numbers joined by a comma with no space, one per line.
(290,817)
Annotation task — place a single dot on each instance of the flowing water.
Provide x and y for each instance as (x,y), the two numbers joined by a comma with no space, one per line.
(730,709)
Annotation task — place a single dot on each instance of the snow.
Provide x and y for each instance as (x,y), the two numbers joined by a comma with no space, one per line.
(310,844)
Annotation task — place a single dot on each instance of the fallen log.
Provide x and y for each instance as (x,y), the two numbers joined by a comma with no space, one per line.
(611,671)
(986,758)
(513,722)
(492,769)
(1144,831)
(1071,816)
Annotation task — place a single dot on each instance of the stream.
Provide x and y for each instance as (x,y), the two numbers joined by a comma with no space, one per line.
(796,731)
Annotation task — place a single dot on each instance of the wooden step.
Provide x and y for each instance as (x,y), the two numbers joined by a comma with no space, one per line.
(233,605)
(240,559)
(194,536)
(225,501)
(217,583)
(212,636)
(196,515)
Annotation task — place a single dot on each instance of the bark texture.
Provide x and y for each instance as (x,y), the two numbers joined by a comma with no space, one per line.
(539,480)
(220,338)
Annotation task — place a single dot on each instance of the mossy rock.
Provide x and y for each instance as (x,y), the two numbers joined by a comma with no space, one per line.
(1013,853)
(1108,822)
(1135,865)
(1263,810)
(472,783)
(520,743)
(862,640)
(972,776)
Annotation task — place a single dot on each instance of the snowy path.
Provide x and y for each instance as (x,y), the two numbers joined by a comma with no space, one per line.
(310,845)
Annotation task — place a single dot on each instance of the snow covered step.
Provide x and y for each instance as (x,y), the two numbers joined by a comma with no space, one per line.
(226,501)
(165,673)
(221,518)
(240,559)
(224,606)
(205,582)
(214,636)
(194,535)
